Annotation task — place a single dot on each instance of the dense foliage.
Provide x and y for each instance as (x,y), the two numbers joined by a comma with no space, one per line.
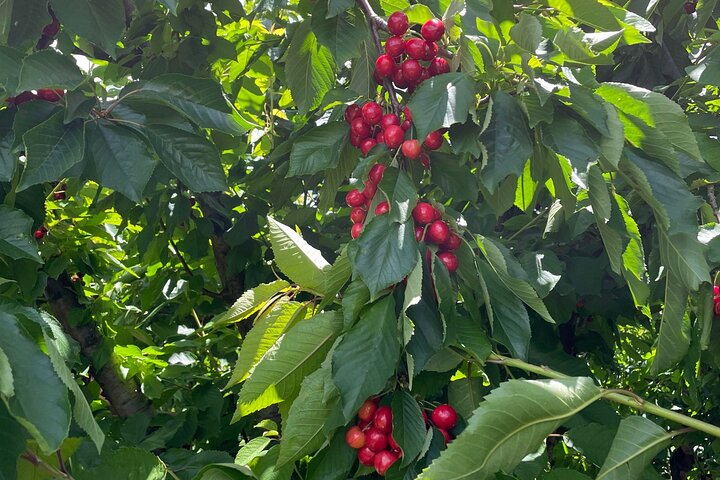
(182,296)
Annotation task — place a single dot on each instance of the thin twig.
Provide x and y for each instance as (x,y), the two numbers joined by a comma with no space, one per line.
(713,201)
(61,462)
(38,462)
(175,248)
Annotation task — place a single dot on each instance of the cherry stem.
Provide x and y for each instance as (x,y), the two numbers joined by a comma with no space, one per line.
(376,22)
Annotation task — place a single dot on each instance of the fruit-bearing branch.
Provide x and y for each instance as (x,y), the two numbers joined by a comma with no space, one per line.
(627,399)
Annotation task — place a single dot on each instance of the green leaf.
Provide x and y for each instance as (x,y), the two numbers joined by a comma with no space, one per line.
(102,22)
(22,28)
(409,428)
(512,275)
(10,65)
(419,13)
(342,33)
(374,336)
(49,69)
(261,338)
(296,354)
(191,158)
(337,6)
(527,33)
(441,101)
(673,341)
(15,236)
(13,441)
(453,177)
(52,148)
(470,336)
(41,402)
(302,263)
(309,68)
(332,463)
(465,394)
(303,429)
(568,138)
(512,421)
(401,193)
(126,463)
(199,99)
(336,277)
(591,12)
(122,161)
(384,254)
(251,450)
(599,195)
(565,474)
(361,75)
(706,72)
(318,149)
(506,140)
(636,443)
(250,302)
(354,299)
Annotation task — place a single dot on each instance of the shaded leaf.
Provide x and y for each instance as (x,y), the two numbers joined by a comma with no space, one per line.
(15,239)
(441,101)
(318,149)
(409,428)
(102,22)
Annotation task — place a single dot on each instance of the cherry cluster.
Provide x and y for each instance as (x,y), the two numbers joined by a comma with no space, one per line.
(372,437)
(716,299)
(370,125)
(408,59)
(47,94)
(361,201)
(430,227)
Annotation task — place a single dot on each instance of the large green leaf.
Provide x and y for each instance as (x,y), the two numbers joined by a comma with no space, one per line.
(441,101)
(512,421)
(527,33)
(15,239)
(506,140)
(280,372)
(102,22)
(453,177)
(512,275)
(401,193)
(303,429)
(49,69)
(673,341)
(374,336)
(318,149)
(342,34)
(122,161)
(409,430)
(200,99)
(52,148)
(384,254)
(191,158)
(332,463)
(13,441)
(261,338)
(309,68)
(591,12)
(21,21)
(10,65)
(568,138)
(40,402)
(125,463)
(250,302)
(636,443)
(302,263)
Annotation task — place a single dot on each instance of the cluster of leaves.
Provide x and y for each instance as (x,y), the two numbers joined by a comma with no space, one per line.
(223,312)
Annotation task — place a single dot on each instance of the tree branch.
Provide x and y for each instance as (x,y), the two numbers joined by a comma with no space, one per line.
(125,398)
(713,201)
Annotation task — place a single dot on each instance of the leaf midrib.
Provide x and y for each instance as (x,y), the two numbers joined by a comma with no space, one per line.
(632,457)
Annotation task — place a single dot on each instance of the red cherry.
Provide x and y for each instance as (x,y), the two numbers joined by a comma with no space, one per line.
(21,98)
(438,214)
(59,196)
(39,234)
(444,416)
(431,51)
(384,66)
(432,30)
(352,112)
(383,461)
(389,119)
(367,410)
(434,140)
(393,444)
(424,75)
(716,289)
(355,140)
(380,137)
(394,136)
(425,417)
(445,435)
(360,128)
(398,23)
(438,66)
(51,29)
(407,114)
(366,457)
(356,230)
(370,189)
(355,437)
(416,48)
(395,46)
(372,113)
(717,309)
(406,125)
(419,234)
(383,419)
(412,70)
(354,198)
(367,145)
(689,7)
(357,215)
(376,172)
(398,78)
(50,95)
(375,439)
(425,161)
(411,149)
(438,232)
(378,79)
(423,213)
(450,260)
(452,243)
(382,208)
